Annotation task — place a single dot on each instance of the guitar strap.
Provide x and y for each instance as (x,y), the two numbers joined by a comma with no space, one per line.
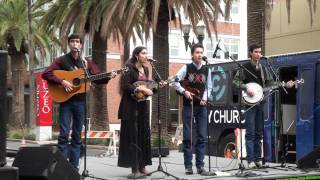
(69,65)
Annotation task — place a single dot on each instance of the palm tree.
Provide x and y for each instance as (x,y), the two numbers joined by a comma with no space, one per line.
(156,15)
(256,23)
(13,38)
(120,17)
(93,17)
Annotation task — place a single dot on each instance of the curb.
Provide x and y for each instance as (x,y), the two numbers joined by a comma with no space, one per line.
(99,147)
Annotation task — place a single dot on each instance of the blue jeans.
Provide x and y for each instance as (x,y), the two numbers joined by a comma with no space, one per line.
(254,132)
(71,111)
(201,123)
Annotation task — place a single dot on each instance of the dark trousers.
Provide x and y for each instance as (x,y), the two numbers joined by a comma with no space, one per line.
(201,123)
(71,112)
(254,132)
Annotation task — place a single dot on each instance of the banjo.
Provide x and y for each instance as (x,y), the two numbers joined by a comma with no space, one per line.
(258,93)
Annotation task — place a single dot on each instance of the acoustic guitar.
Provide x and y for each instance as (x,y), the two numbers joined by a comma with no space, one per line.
(76,78)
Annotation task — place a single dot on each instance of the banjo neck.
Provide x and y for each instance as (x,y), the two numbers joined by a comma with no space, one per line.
(283,84)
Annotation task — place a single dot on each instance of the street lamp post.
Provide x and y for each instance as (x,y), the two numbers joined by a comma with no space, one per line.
(186,27)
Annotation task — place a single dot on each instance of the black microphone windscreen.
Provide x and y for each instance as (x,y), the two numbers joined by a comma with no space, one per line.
(204,58)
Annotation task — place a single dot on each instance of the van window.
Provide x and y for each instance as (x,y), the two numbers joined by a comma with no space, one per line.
(306,95)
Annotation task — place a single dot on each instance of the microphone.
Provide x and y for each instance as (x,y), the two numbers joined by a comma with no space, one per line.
(151,60)
(216,50)
(77,50)
(204,58)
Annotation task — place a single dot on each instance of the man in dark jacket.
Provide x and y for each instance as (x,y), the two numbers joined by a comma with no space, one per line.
(72,109)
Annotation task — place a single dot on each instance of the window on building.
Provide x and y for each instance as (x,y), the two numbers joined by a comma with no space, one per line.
(87,46)
(234,11)
(149,49)
(174,43)
(235,8)
(231,45)
(174,109)
(210,47)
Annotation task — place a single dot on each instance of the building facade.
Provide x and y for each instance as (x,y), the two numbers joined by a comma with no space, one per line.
(294,30)
(232,35)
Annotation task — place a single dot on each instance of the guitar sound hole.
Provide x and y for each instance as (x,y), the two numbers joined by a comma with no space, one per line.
(76,82)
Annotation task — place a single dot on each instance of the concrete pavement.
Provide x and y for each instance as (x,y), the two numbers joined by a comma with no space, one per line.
(101,166)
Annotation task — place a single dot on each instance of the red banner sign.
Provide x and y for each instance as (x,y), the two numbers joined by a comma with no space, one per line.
(43,102)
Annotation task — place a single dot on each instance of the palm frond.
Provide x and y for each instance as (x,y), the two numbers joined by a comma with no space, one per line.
(107,15)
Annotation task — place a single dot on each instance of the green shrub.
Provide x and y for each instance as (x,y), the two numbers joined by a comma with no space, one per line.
(15,134)
(30,136)
(55,136)
(155,142)
(18,134)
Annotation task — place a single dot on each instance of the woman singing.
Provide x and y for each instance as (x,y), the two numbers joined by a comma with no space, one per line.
(135,146)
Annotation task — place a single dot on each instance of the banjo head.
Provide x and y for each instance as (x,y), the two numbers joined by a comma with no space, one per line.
(257,96)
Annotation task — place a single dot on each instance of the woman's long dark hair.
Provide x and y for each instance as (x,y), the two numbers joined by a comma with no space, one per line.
(131,63)
(135,53)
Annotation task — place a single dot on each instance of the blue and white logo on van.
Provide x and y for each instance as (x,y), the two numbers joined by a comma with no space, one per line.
(219,83)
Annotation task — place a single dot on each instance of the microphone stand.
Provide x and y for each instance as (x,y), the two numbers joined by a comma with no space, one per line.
(160,168)
(86,77)
(277,99)
(277,105)
(208,129)
(241,68)
(275,74)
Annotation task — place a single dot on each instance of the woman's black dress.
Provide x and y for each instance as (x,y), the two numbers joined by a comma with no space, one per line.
(135,146)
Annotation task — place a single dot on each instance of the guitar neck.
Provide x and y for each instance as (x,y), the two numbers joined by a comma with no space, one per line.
(103,75)
(99,76)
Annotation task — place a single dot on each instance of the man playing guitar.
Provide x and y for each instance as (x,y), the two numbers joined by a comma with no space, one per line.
(73,108)
(254,72)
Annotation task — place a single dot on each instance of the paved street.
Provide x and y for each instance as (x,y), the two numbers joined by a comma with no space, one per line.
(101,166)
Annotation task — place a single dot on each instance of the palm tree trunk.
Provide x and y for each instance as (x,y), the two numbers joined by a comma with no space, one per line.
(98,97)
(256,23)
(160,52)
(126,50)
(18,112)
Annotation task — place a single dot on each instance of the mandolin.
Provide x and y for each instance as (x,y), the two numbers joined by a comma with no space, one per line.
(152,85)
(194,92)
